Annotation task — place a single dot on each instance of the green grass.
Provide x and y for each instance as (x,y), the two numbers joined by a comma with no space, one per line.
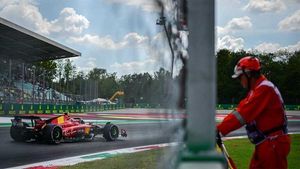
(240,150)
(140,160)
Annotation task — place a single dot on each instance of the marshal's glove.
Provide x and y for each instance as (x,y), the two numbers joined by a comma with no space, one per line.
(218,138)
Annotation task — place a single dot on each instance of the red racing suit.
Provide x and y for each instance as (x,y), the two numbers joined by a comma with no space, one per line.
(263,106)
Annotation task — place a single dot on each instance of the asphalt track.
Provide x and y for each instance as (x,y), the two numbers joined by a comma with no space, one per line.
(15,154)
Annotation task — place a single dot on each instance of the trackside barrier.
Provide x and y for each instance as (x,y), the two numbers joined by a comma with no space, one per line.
(12,109)
(232,106)
(226,106)
(219,106)
(146,105)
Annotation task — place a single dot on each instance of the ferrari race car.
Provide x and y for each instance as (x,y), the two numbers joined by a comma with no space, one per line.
(60,128)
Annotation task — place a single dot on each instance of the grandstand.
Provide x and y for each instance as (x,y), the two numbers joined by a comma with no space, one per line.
(19,81)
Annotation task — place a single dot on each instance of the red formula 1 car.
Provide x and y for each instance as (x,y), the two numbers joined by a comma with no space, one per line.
(60,128)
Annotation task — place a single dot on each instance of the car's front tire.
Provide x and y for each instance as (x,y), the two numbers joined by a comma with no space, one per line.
(110,132)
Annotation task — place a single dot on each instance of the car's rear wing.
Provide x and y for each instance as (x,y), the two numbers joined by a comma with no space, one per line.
(27,117)
(28,121)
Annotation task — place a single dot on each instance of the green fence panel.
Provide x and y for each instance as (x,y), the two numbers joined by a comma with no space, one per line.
(40,109)
(66,108)
(12,109)
(1,109)
(54,109)
(22,109)
(60,108)
(35,108)
(47,109)
(101,107)
(70,108)
(16,108)
(226,106)
(292,107)
(76,109)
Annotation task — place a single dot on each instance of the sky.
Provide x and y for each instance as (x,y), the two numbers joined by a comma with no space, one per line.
(122,36)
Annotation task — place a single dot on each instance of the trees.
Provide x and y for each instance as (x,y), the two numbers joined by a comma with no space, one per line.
(281,68)
(291,80)
(229,90)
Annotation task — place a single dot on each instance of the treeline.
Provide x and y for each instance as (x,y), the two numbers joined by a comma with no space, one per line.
(281,68)
(98,83)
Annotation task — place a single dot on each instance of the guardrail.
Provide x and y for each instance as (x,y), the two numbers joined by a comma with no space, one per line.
(232,106)
(13,108)
(218,107)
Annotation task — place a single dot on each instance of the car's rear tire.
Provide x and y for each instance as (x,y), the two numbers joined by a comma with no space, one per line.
(52,134)
(110,132)
(18,134)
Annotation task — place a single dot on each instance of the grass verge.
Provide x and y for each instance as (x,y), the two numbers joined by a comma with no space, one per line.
(241,151)
(140,160)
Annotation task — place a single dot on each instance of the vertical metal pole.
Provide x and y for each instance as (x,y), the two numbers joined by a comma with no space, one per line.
(86,93)
(201,88)
(162,21)
(96,88)
(43,86)
(9,81)
(201,76)
(91,90)
(23,79)
(80,92)
(33,85)
(171,49)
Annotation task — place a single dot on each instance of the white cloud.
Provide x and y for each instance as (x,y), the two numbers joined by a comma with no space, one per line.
(290,23)
(148,65)
(146,5)
(157,54)
(230,43)
(69,22)
(265,6)
(85,63)
(4,3)
(267,47)
(106,42)
(88,64)
(292,48)
(155,51)
(275,47)
(27,14)
(235,24)
(101,42)
(240,23)
(135,39)
(226,41)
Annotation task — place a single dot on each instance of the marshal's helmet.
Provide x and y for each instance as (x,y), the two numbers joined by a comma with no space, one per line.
(246,64)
